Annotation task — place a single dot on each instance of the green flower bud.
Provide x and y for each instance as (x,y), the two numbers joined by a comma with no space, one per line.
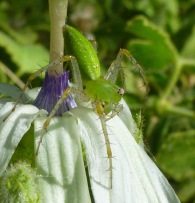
(19,183)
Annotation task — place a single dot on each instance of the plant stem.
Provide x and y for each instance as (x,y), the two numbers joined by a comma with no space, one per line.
(11,75)
(164,106)
(181,111)
(188,62)
(172,81)
(183,134)
(58,13)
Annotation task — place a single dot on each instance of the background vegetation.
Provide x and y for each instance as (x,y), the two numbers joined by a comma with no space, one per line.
(161,36)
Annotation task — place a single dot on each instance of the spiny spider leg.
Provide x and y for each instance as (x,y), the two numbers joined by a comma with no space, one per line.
(78,91)
(144,77)
(100,111)
(30,79)
(138,67)
(116,109)
(64,96)
(75,71)
(115,67)
(111,76)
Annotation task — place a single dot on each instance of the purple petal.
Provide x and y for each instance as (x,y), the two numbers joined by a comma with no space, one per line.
(50,93)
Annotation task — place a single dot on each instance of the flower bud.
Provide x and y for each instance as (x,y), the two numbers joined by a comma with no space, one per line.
(19,183)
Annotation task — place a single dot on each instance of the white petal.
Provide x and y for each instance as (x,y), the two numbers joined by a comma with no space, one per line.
(94,143)
(126,116)
(135,177)
(13,129)
(31,94)
(60,162)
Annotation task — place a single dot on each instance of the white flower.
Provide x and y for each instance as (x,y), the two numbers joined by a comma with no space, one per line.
(60,162)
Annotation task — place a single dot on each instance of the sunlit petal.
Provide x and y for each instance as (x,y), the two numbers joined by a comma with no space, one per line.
(13,128)
(135,177)
(60,162)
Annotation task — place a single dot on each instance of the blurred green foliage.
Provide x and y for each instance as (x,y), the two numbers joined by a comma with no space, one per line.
(161,36)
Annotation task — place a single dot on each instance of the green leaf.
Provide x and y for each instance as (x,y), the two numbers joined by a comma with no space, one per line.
(153,48)
(22,36)
(28,57)
(163,13)
(10,91)
(187,190)
(176,156)
(189,47)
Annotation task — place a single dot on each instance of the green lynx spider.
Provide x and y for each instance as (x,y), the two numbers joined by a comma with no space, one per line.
(103,93)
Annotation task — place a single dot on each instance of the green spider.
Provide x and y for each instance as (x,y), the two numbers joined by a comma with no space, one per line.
(103,93)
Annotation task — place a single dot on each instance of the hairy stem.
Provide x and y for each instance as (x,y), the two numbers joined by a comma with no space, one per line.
(58,13)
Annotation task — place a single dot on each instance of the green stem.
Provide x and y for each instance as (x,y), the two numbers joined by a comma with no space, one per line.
(11,75)
(188,62)
(164,106)
(58,13)
(181,111)
(172,80)
(183,134)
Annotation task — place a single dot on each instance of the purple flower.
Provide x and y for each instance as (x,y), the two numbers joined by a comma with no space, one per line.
(50,93)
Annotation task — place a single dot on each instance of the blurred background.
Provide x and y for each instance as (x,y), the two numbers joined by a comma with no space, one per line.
(160,34)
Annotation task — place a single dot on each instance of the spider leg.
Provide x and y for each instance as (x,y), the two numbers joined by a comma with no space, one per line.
(30,79)
(100,111)
(115,68)
(65,94)
(138,67)
(116,109)
(75,71)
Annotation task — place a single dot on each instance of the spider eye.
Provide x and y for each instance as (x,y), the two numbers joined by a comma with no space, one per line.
(121,91)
